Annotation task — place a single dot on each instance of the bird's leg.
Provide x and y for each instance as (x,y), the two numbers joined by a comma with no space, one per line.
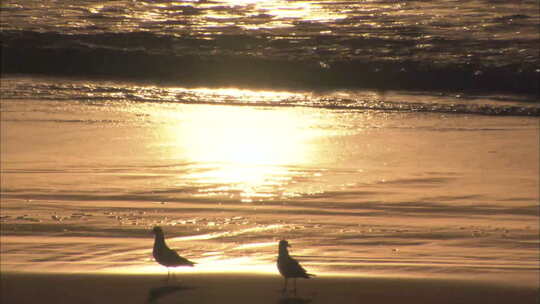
(284,287)
(168,274)
(294,286)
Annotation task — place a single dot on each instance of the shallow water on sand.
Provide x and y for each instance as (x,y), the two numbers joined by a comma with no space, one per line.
(355,191)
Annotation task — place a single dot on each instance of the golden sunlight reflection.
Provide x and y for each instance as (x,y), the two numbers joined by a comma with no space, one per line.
(213,264)
(228,261)
(216,235)
(247,2)
(305,10)
(234,149)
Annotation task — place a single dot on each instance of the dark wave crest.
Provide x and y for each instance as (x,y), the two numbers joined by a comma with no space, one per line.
(250,61)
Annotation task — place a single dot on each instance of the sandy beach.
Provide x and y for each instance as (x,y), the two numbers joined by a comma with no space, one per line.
(250,288)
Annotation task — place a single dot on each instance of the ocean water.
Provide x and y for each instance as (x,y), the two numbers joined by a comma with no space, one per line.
(445,45)
(381,138)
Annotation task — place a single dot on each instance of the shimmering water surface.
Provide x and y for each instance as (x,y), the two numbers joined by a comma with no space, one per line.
(381,138)
(444,45)
(356,191)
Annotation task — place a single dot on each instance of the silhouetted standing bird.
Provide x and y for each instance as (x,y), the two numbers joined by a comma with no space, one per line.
(166,256)
(289,267)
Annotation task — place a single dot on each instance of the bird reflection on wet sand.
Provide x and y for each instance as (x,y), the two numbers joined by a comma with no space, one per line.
(294,300)
(158,292)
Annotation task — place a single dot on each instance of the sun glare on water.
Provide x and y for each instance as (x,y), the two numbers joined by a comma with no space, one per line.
(243,149)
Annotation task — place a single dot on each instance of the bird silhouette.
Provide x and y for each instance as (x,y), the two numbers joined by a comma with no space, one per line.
(166,256)
(289,267)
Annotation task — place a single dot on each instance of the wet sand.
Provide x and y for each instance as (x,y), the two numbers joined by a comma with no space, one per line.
(249,288)
(384,197)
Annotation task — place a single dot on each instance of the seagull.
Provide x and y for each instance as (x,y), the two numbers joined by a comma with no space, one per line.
(289,267)
(166,256)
